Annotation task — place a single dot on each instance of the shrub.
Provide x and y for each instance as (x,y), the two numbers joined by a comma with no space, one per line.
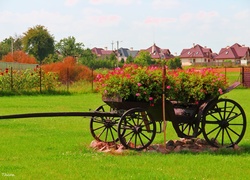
(137,83)
(69,70)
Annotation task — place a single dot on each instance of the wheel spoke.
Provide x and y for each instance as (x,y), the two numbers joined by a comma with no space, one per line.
(222,137)
(229,114)
(130,139)
(229,137)
(213,130)
(101,133)
(135,140)
(145,136)
(112,135)
(127,134)
(232,118)
(99,128)
(142,143)
(233,131)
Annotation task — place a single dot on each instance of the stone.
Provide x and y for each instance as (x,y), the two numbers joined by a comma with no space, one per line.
(170,143)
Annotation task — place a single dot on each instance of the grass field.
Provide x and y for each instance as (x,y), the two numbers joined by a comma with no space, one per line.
(58,147)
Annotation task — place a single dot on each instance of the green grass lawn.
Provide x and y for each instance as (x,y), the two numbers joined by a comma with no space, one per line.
(58,147)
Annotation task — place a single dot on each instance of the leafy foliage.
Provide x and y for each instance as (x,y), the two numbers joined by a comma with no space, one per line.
(23,81)
(69,47)
(174,63)
(69,70)
(38,42)
(138,83)
(143,59)
(20,57)
(10,44)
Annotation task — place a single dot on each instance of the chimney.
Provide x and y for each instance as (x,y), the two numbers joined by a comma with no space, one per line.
(193,44)
(131,48)
(105,48)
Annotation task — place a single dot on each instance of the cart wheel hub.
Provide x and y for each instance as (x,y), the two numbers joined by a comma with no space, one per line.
(224,124)
(108,123)
(137,129)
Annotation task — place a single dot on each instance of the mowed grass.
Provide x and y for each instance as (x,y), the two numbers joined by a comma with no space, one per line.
(58,147)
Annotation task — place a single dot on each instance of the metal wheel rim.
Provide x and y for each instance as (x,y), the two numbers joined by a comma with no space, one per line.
(104,129)
(136,129)
(224,123)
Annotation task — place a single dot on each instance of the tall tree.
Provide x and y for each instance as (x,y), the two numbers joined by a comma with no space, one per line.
(143,58)
(69,47)
(37,41)
(10,44)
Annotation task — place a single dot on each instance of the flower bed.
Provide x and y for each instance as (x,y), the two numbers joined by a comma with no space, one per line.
(137,83)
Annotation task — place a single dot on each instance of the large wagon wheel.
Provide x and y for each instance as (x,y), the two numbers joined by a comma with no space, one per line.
(223,123)
(136,129)
(104,128)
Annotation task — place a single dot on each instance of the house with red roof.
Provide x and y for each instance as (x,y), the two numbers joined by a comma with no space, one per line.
(124,53)
(196,54)
(100,52)
(237,54)
(158,53)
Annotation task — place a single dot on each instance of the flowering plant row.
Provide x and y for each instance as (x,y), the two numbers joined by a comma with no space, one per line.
(137,83)
(27,80)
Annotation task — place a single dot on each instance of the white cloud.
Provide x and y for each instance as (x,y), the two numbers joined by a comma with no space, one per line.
(159,21)
(116,2)
(242,15)
(165,4)
(70,2)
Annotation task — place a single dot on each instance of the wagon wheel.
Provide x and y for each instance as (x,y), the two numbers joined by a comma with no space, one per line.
(104,128)
(136,129)
(190,129)
(223,123)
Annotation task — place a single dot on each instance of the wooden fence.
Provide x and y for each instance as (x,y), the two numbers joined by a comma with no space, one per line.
(245,73)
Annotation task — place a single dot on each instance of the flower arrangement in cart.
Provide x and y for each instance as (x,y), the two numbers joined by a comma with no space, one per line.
(140,83)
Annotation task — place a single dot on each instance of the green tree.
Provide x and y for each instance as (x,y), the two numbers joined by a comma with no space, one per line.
(174,63)
(37,41)
(88,58)
(69,47)
(10,44)
(129,59)
(143,58)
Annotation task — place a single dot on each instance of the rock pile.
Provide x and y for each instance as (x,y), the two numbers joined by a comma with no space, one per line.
(191,145)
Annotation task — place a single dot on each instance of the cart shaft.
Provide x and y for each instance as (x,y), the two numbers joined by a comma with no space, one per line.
(59,114)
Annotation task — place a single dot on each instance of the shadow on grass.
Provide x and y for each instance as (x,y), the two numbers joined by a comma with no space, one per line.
(242,150)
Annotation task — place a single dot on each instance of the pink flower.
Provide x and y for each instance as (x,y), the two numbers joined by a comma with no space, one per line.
(220,91)
(151,98)
(137,94)
(168,87)
(139,84)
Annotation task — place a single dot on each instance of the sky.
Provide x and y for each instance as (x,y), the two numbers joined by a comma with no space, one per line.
(137,24)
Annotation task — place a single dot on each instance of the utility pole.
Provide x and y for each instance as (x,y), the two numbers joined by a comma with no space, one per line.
(117,42)
(112,45)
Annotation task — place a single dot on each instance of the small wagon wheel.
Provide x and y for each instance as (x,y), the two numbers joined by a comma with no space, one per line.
(190,129)
(104,128)
(223,123)
(136,129)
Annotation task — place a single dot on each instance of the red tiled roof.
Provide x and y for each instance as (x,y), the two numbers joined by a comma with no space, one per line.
(101,51)
(235,51)
(106,52)
(158,53)
(196,52)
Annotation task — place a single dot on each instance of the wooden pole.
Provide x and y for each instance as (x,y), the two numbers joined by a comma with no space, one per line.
(163,101)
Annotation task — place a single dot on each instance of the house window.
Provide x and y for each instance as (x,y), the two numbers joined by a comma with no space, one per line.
(197,52)
(226,52)
(188,52)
